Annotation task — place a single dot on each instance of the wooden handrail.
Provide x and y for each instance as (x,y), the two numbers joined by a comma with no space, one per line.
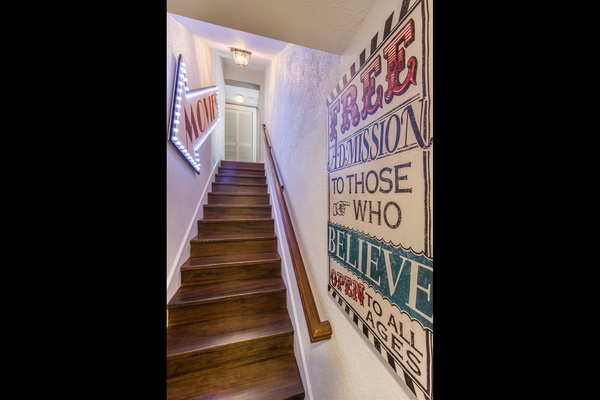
(317,329)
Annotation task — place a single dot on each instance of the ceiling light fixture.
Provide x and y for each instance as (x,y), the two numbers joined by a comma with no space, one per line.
(241,57)
(239,98)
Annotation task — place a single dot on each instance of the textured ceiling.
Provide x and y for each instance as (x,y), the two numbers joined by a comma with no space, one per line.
(221,39)
(265,27)
(326,25)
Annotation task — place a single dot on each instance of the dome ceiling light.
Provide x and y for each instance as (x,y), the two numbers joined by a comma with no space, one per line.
(241,57)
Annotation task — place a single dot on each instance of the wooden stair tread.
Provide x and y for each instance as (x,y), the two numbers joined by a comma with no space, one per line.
(276,378)
(196,337)
(242,184)
(243,165)
(221,290)
(253,173)
(237,210)
(246,205)
(239,198)
(242,188)
(217,193)
(238,174)
(231,236)
(239,218)
(230,259)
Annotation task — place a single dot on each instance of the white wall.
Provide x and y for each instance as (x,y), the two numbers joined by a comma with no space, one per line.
(186,190)
(298,82)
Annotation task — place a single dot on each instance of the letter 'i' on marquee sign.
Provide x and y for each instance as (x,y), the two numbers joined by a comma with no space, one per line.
(194,115)
(380,177)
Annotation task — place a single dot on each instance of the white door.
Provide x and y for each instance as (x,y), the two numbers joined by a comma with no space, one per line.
(240,133)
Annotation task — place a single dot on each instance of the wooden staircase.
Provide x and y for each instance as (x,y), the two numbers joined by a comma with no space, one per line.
(229,333)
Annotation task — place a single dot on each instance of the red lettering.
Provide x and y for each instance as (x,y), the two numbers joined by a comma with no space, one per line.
(353,289)
(333,110)
(190,128)
(394,54)
(368,80)
(333,278)
(341,280)
(348,286)
(213,106)
(349,108)
(360,293)
(199,105)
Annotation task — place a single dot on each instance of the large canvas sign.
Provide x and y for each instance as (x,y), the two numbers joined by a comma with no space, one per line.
(380,177)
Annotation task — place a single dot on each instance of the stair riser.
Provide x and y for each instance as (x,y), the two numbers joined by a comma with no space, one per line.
(232,355)
(233,211)
(242,165)
(237,188)
(235,171)
(240,179)
(222,273)
(214,248)
(235,226)
(238,199)
(237,305)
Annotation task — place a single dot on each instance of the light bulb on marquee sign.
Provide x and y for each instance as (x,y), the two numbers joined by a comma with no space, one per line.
(200,109)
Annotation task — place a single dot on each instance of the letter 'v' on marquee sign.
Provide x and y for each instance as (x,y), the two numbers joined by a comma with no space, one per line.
(194,115)
(380,177)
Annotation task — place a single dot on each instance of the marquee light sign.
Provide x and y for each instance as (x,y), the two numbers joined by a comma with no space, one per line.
(194,115)
(380,177)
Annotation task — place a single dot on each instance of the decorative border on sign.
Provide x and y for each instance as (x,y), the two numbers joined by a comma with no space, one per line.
(376,41)
(381,348)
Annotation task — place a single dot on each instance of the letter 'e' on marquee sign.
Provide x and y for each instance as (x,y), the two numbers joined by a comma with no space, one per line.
(380,178)
(194,115)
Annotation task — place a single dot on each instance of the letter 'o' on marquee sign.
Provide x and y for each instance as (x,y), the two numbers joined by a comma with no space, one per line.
(194,115)
(380,186)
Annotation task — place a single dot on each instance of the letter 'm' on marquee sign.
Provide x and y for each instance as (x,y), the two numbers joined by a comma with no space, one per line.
(380,177)
(194,115)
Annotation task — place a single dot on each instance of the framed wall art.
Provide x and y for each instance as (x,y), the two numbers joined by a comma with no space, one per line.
(380,177)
